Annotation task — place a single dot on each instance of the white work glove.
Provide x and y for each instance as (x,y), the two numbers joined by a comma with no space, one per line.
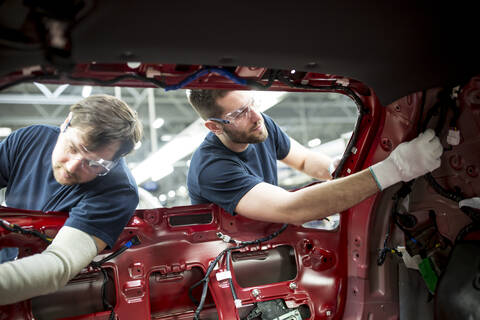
(471,202)
(409,160)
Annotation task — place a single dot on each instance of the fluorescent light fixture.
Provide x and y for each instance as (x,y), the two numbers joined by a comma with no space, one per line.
(86,91)
(314,142)
(133,64)
(166,137)
(5,131)
(158,123)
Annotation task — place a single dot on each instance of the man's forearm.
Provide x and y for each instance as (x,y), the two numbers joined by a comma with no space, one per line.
(317,166)
(267,202)
(324,199)
(47,272)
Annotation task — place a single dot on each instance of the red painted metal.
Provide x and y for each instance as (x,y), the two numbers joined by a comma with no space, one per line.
(170,251)
(151,280)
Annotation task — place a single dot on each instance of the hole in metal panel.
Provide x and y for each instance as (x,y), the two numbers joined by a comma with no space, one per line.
(264,266)
(169,294)
(191,219)
(81,296)
(329,223)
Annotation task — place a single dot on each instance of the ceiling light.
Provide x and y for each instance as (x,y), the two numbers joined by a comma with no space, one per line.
(5,132)
(158,123)
(133,64)
(314,142)
(86,91)
(138,145)
(166,137)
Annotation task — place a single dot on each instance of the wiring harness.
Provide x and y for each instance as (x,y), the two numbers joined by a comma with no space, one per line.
(98,264)
(17,229)
(205,280)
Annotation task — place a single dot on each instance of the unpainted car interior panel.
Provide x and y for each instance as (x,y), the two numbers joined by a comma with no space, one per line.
(408,241)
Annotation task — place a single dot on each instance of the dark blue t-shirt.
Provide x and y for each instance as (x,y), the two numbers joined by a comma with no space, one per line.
(101,207)
(222,176)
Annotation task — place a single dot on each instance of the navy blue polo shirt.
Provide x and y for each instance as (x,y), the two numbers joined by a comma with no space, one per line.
(101,207)
(222,176)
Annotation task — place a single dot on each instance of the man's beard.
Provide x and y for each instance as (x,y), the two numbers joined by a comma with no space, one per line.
(57,174)
(246,137)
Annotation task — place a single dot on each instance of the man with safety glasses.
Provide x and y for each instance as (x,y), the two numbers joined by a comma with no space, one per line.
(236,165)
(77,168)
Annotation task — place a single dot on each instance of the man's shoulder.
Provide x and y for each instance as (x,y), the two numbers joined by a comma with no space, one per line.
(38,131)
(32,137)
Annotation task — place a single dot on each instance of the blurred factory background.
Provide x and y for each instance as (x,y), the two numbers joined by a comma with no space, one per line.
(172,130)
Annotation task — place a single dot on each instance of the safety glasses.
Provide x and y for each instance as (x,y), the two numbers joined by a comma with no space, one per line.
(77,151)
(238,115)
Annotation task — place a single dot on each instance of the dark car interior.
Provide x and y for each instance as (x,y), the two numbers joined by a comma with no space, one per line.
(411,251)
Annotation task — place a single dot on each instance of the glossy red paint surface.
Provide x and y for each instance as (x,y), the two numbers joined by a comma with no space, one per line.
(167,250)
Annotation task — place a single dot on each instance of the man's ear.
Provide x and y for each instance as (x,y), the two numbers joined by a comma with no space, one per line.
(67,120)
(215,127)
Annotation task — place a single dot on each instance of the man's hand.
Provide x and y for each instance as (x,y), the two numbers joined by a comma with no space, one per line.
(409,160)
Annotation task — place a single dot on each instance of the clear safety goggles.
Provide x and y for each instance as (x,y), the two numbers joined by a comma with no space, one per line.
(100,167)
(238,115)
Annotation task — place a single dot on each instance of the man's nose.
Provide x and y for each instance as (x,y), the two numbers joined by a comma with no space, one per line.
(254,115)
(74,165)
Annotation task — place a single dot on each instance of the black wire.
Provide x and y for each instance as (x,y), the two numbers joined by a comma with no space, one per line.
(442,107)
(230,281)
(133,241)
(30,78)
(271,74)
(17,229)
(466,230)
(206,279)
(106,304)
(471,213)
(422,108)
(442,191)
(362,111)
(397,197)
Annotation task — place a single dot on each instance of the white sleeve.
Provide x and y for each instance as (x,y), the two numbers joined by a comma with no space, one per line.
(39,274)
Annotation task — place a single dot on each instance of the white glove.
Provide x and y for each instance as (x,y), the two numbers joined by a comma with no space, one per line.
(409,160)
(472,203)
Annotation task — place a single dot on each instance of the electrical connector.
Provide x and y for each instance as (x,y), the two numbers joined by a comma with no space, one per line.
(224,237)
(453,137)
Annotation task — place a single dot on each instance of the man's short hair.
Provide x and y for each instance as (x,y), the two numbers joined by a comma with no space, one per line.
(204,102)
(105,119)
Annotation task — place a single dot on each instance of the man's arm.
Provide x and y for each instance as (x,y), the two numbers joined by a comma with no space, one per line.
(409,160)
(70,252)
(267,202)
(315,164)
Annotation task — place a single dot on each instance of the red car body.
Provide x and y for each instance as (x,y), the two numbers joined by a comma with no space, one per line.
(317,274)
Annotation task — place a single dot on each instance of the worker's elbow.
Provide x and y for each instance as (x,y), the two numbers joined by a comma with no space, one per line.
(293,217)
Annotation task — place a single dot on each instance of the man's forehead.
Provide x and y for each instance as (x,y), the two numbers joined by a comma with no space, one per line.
(235,100)
(79,140)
